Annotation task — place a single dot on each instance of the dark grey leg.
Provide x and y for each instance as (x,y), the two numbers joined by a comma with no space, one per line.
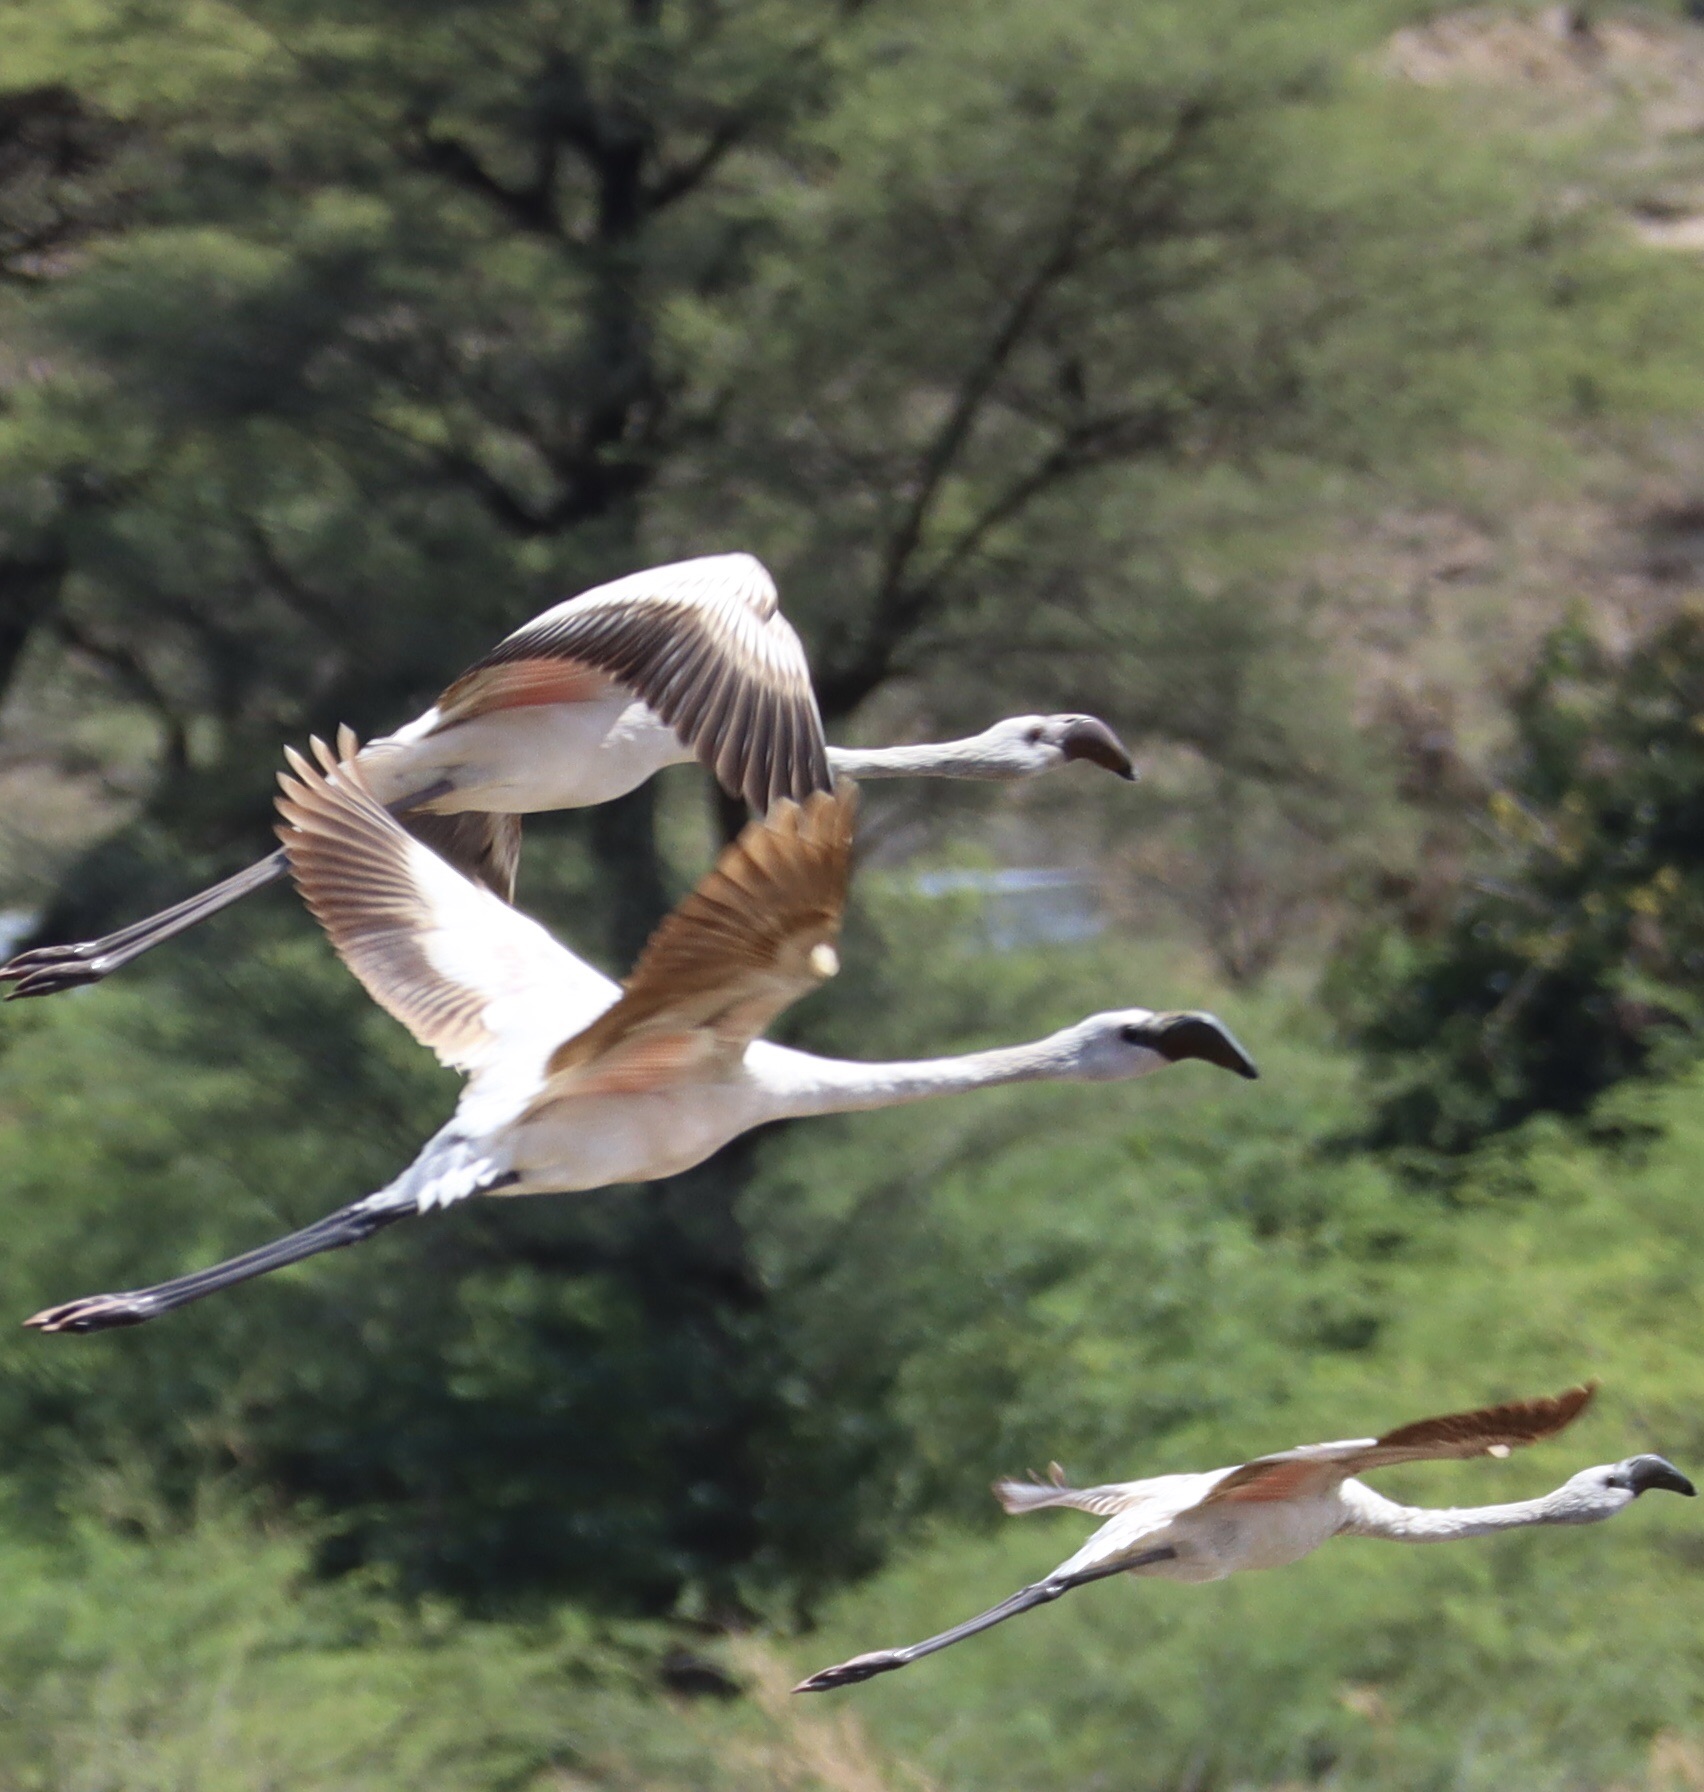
(349,1225)
(1044,1592)
(46,970)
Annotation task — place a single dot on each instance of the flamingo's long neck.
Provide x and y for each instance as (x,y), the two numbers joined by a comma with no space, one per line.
(974,757)
(804,1084)
(1375,1516)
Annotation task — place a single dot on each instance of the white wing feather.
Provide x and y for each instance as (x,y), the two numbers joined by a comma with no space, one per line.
(471,978)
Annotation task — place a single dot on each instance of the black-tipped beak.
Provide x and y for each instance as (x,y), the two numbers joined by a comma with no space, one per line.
(1204,1036)
(1089,739)
(1644,1473)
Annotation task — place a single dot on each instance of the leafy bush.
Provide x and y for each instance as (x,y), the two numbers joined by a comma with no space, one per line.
(1575,955)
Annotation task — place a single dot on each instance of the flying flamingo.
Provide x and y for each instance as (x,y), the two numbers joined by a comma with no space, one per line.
(582,705)
(1277,1509)
(575,1084)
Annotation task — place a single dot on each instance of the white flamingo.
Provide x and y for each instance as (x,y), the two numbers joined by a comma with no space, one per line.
(1277,1509)
(575,1084)
(582,705)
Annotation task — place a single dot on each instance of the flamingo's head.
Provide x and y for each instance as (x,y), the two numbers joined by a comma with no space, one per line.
(1030,745)
(1132,1042)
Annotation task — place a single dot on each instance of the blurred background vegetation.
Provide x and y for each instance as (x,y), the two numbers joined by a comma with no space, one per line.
(1315,391)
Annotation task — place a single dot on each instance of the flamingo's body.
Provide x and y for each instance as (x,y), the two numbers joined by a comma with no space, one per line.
(524,760)
(1276,1509)
(588,700)
(585,703)
(574,1083)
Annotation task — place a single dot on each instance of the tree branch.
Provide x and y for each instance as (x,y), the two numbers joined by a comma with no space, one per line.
(681,178)
(531,208)
(902,604)
(29,589)
(132,675)
(1089,444)
(973,392)
(314,606)
(588,492)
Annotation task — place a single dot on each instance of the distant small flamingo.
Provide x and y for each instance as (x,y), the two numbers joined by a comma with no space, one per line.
(1277,1509)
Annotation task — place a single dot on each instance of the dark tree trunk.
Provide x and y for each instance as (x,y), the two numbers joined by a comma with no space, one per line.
(623,837)
(29,589)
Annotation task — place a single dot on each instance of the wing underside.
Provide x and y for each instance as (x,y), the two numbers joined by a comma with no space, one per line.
(453,962)
(703,644)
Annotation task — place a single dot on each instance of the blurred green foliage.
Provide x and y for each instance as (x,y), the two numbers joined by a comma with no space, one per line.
(206,1656)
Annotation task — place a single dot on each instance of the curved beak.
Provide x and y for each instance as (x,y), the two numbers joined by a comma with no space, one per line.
(1089,739)
(1647,1472)
(1204,1036)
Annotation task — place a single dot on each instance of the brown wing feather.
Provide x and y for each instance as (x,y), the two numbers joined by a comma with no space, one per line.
(715,660)
(519,684)
(756,934)
(1489,1428)
(1488,1431)
(1273,1478)
(350,861)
